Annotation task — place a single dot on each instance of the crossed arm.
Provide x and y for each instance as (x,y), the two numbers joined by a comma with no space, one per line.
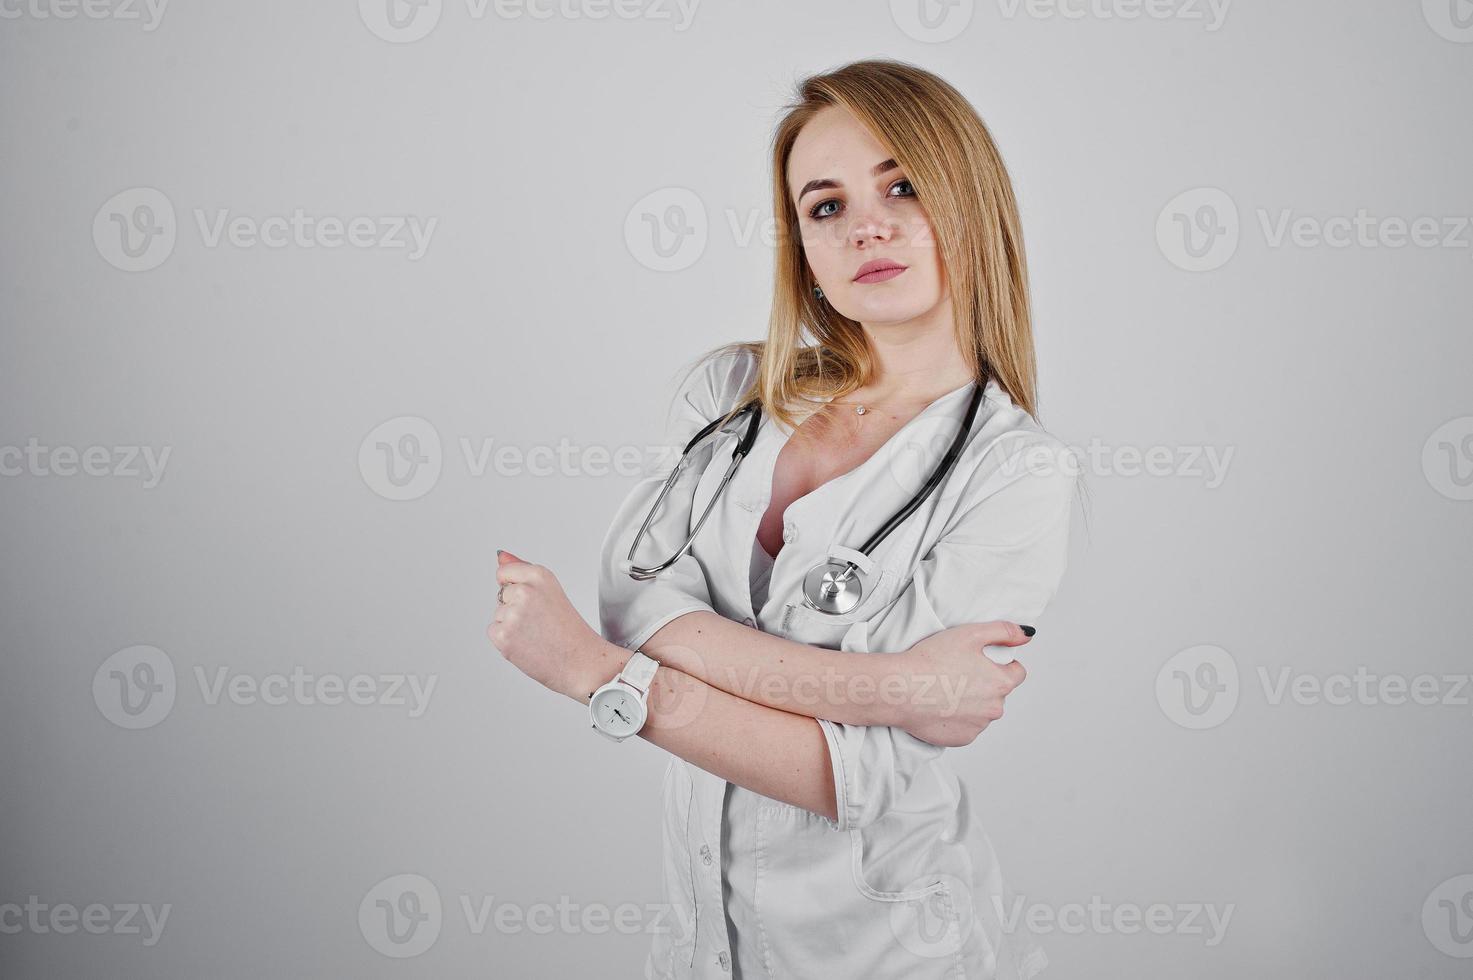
(770,751)
(742,704)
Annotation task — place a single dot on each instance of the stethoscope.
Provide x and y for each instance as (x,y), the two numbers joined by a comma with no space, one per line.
(833,586)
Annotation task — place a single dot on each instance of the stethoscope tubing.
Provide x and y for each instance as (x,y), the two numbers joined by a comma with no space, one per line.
(832,583)
(737,455)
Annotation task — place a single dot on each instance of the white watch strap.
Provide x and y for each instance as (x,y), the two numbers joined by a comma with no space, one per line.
(639,671)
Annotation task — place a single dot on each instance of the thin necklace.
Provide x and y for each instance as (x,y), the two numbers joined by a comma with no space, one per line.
(860,408)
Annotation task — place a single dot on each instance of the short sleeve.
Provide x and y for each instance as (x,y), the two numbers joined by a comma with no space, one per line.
(1001,557)
(631,611)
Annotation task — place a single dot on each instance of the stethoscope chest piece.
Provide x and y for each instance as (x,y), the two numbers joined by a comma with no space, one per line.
(832,587)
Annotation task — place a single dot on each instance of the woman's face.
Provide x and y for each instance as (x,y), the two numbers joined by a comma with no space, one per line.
(856,206)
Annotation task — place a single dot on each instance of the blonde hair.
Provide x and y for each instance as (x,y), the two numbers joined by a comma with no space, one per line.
(948,155)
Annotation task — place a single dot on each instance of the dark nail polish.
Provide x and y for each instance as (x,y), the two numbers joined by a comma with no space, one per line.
(1027,630)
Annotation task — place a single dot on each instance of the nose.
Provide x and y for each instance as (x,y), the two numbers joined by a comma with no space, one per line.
(870,226)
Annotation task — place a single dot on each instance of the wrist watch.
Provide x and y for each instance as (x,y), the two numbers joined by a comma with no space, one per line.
(618,707)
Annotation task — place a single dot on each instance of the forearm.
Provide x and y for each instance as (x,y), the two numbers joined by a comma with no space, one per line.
(780,755)
(852,688)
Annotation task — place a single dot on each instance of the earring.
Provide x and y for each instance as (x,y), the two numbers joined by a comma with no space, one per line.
(818,293)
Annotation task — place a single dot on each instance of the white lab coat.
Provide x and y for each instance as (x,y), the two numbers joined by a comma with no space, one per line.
(905,883)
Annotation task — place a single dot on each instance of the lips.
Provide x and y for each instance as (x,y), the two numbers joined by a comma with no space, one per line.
(878,270)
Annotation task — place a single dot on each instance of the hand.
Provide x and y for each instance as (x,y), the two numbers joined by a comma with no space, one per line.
(966,688)
(539,631)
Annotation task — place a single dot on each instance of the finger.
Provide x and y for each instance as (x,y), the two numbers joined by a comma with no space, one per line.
(1014,672)
(513,569)
(1001,633)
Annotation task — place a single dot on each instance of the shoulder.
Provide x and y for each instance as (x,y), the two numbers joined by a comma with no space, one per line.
(712,383)
(1008,447)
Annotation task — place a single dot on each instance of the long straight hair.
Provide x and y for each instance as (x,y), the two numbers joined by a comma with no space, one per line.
(958,175)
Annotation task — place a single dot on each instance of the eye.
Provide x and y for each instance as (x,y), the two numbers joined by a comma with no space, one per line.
(815,211)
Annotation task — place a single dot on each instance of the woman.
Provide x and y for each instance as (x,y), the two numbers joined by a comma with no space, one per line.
(816,828)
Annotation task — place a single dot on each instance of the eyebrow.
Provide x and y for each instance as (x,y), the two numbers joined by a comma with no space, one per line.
(883,166)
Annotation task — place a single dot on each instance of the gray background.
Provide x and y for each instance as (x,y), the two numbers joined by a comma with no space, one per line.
(1338,539)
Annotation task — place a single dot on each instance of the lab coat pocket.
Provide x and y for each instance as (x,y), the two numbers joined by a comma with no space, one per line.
(923,885)
(887,870)
(841,630)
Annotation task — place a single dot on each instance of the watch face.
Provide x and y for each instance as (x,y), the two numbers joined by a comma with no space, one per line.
(617,711)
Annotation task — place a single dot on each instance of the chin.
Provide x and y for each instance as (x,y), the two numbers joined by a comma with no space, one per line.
(887,311)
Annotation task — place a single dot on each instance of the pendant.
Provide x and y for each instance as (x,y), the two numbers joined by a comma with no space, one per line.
(860,410)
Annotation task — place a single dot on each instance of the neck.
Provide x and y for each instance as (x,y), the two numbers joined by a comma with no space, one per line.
(917,360)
